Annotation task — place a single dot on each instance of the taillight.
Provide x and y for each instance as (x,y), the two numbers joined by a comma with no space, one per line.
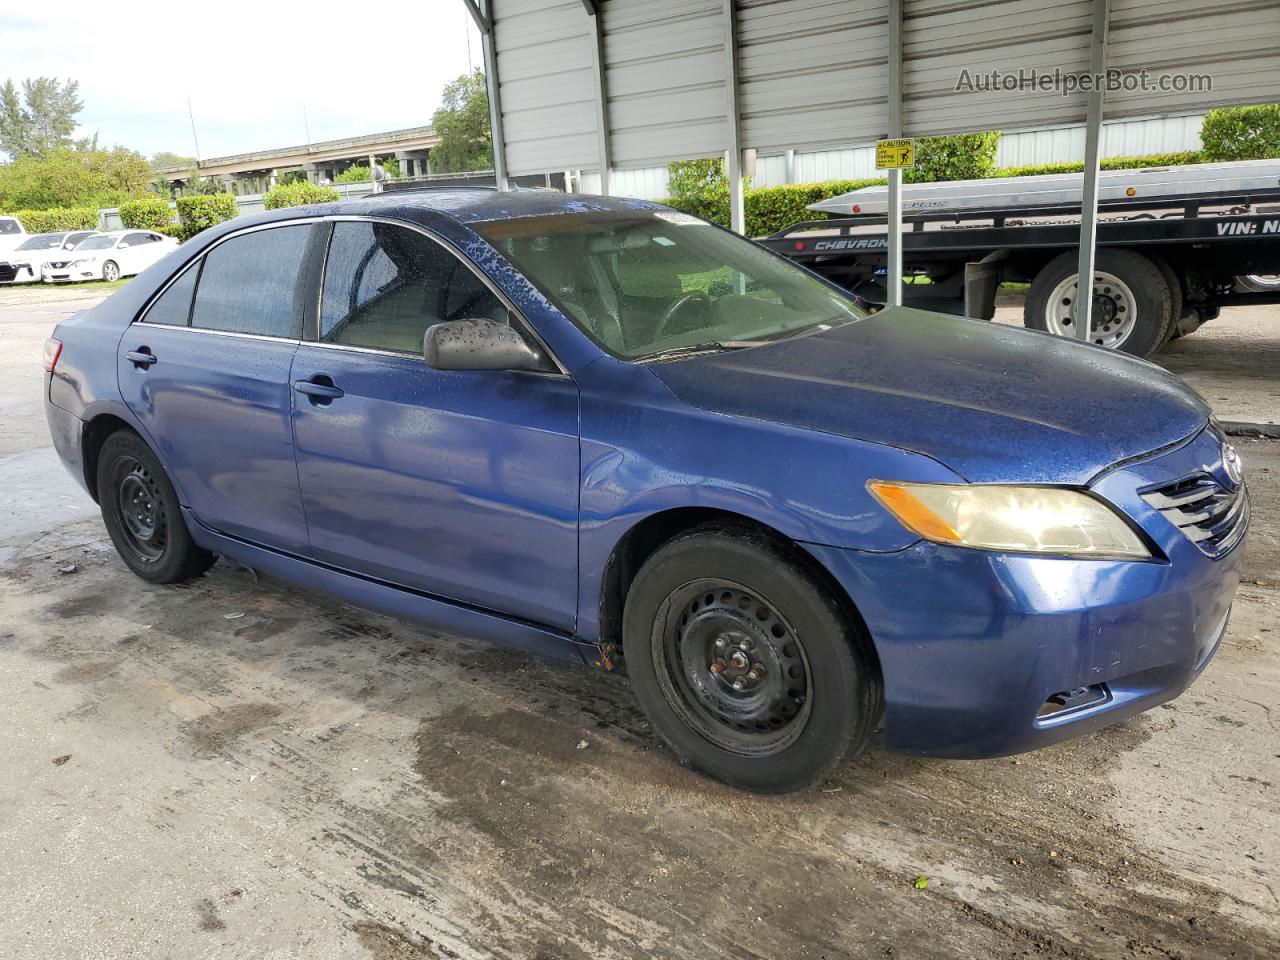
(52,351)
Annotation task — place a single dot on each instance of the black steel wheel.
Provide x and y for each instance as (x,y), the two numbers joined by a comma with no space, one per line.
(732,667)
(141,506)
(142,515)
(749,669)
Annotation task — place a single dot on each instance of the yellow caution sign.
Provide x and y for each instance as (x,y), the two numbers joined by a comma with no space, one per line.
(894,154)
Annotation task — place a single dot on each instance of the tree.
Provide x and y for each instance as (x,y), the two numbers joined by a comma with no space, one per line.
(40,119)
(69,178)
(463,125)
(166,158)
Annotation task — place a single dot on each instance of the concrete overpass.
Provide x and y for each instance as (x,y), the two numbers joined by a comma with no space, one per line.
(256,172)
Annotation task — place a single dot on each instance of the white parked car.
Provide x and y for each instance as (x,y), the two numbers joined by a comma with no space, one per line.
(12,233)
(24,263)
(109,256)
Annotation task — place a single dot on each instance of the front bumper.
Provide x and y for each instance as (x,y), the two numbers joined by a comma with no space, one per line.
(973,645)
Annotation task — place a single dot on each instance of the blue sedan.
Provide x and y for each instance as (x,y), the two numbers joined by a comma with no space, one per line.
(607,431)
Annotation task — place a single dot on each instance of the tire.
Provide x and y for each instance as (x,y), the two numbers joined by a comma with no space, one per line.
(142,515)
(693,605)
(1147,317)
(1259,282)
(110,271)
(1176,303)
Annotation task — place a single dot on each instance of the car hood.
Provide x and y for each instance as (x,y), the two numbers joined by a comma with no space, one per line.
(996,404)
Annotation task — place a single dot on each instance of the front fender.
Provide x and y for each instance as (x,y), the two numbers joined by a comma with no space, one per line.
(645,452)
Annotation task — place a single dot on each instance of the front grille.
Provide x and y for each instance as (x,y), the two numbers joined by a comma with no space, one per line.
(1211,516)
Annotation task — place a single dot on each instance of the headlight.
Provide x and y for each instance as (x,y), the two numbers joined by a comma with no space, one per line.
(82,262)
(1016,519)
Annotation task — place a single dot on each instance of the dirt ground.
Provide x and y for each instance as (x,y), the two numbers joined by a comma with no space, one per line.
(236,768)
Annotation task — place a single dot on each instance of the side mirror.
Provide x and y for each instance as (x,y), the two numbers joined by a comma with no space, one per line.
(477,345)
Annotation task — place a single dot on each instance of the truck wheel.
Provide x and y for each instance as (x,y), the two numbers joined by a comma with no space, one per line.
(1259,283)
(1132,302)
(1176,303)
(745,667)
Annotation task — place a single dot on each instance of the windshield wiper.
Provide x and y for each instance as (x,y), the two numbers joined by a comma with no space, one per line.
(711,346)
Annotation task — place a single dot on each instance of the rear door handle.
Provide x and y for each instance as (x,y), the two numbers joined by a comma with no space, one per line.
(142,357)
(319,391)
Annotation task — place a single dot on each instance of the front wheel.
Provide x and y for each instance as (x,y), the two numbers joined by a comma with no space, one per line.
(110,272)
(1132,301)
(142,515)
(748,669)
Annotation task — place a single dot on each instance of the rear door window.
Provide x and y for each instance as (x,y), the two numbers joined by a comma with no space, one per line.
(252,284)
(385,284)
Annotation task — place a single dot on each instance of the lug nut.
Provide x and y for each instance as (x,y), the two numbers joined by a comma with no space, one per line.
(755,674)
(721,643)
(744,645)
(717,666)
(739,685)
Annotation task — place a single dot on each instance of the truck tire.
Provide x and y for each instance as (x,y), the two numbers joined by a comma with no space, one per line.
(746,667)
(1176,301)
(1259,283)
(1133,304)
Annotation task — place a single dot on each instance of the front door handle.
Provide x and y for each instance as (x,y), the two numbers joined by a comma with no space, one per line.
(320,389)
(142,357)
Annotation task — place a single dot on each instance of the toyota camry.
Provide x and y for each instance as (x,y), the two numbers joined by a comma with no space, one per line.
(604,430)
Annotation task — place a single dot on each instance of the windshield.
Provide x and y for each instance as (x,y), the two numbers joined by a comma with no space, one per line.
(645,282)
(99,242)
(43,241)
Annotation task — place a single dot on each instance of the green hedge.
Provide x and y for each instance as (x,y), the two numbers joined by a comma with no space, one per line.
(1114,163)
(177,230)
(965,156)
(1242,133)
(356,173)
(149,214)
(204,210)
(57,218)
(769,209)
(298,194)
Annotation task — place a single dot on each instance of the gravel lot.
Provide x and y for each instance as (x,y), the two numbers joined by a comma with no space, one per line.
(237,769)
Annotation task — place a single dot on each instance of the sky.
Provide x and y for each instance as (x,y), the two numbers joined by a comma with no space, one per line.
(250,69)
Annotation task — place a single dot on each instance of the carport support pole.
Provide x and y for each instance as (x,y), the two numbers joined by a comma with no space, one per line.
(483,16)
(1083,313)
(733,165)
(602,98)
(893,268)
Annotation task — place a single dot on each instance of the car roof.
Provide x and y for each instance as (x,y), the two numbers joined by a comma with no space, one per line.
(471,204)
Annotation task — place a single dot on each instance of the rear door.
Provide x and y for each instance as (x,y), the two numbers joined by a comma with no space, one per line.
(462,484)
(206,371)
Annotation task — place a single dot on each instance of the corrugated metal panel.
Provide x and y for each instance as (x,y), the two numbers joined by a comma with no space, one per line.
(665,75)
(647,183)
(546,84)
(1236,42)
(942,38)
(1120,138)
(811,72)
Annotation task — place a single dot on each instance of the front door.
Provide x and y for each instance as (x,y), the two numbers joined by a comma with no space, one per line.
(461,484)
(206,372)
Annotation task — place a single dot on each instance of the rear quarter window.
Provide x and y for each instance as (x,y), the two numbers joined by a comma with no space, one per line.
(173,307)
(252,284)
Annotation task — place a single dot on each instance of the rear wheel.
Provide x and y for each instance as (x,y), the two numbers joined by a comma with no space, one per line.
(142,515)
(1259,282)
(1132,301)
(746,668)
(110,272)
